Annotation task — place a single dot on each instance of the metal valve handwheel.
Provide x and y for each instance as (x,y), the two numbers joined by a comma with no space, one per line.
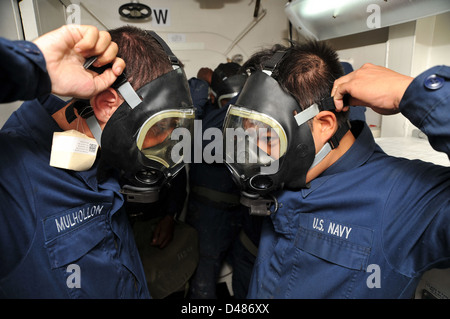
(135,11)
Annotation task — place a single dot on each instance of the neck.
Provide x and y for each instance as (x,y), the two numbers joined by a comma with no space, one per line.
(79,124)
(344,145)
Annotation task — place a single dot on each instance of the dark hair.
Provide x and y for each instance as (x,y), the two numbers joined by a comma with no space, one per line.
(257,60)
(222,71)
(144,57)
(307,71)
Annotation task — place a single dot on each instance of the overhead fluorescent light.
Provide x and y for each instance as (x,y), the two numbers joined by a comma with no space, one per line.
(327,19)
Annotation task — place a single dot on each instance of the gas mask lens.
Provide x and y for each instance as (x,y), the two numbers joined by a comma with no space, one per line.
(154,137)
(255,142)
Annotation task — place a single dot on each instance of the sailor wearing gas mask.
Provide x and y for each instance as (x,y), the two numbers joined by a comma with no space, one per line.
(213,208)
(64,232)
(346,220)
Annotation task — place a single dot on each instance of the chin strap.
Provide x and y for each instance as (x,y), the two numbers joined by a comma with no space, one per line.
(332,143)
(95,128)
(85,111)
(326,104)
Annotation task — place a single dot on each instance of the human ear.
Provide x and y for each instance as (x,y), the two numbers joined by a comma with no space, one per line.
(105,104)
(324,126)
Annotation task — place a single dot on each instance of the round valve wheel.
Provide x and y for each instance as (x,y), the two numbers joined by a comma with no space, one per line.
(135,11)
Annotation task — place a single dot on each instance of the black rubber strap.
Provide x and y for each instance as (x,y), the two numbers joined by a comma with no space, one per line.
(327,104)
(341,131)
(272,63)
(173,59)
(83,108)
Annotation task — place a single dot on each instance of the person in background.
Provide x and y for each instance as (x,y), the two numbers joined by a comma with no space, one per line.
(200,90)
(167,246)
(213,206)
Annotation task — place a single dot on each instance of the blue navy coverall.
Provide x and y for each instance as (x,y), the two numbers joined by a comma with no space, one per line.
(371,224)
(23,73)
(63,234)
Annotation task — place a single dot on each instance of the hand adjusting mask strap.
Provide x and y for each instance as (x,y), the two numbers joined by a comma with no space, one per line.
(137,137)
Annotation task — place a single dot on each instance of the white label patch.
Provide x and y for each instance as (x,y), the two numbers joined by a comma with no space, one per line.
(75,144)
(331,228)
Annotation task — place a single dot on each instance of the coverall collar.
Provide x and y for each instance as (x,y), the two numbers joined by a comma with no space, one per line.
(357,155)
(43,132)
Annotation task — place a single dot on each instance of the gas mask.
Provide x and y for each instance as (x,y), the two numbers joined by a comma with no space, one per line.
(137,138)
(226,82)
(227,88)
(268,142)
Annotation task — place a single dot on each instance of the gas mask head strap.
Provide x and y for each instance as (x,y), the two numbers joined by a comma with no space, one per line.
(172,57)
(271,64)
(125,89)
(326,104)
(129,95)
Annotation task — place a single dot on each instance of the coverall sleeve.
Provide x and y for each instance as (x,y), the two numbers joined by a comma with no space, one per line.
(23,73)
(17,215)
(421,206)
(426,103)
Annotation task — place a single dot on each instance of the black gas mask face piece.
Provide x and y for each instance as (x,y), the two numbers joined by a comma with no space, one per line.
(137,137)
(138,140)
(270,151)
(269,144)
(228,88)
